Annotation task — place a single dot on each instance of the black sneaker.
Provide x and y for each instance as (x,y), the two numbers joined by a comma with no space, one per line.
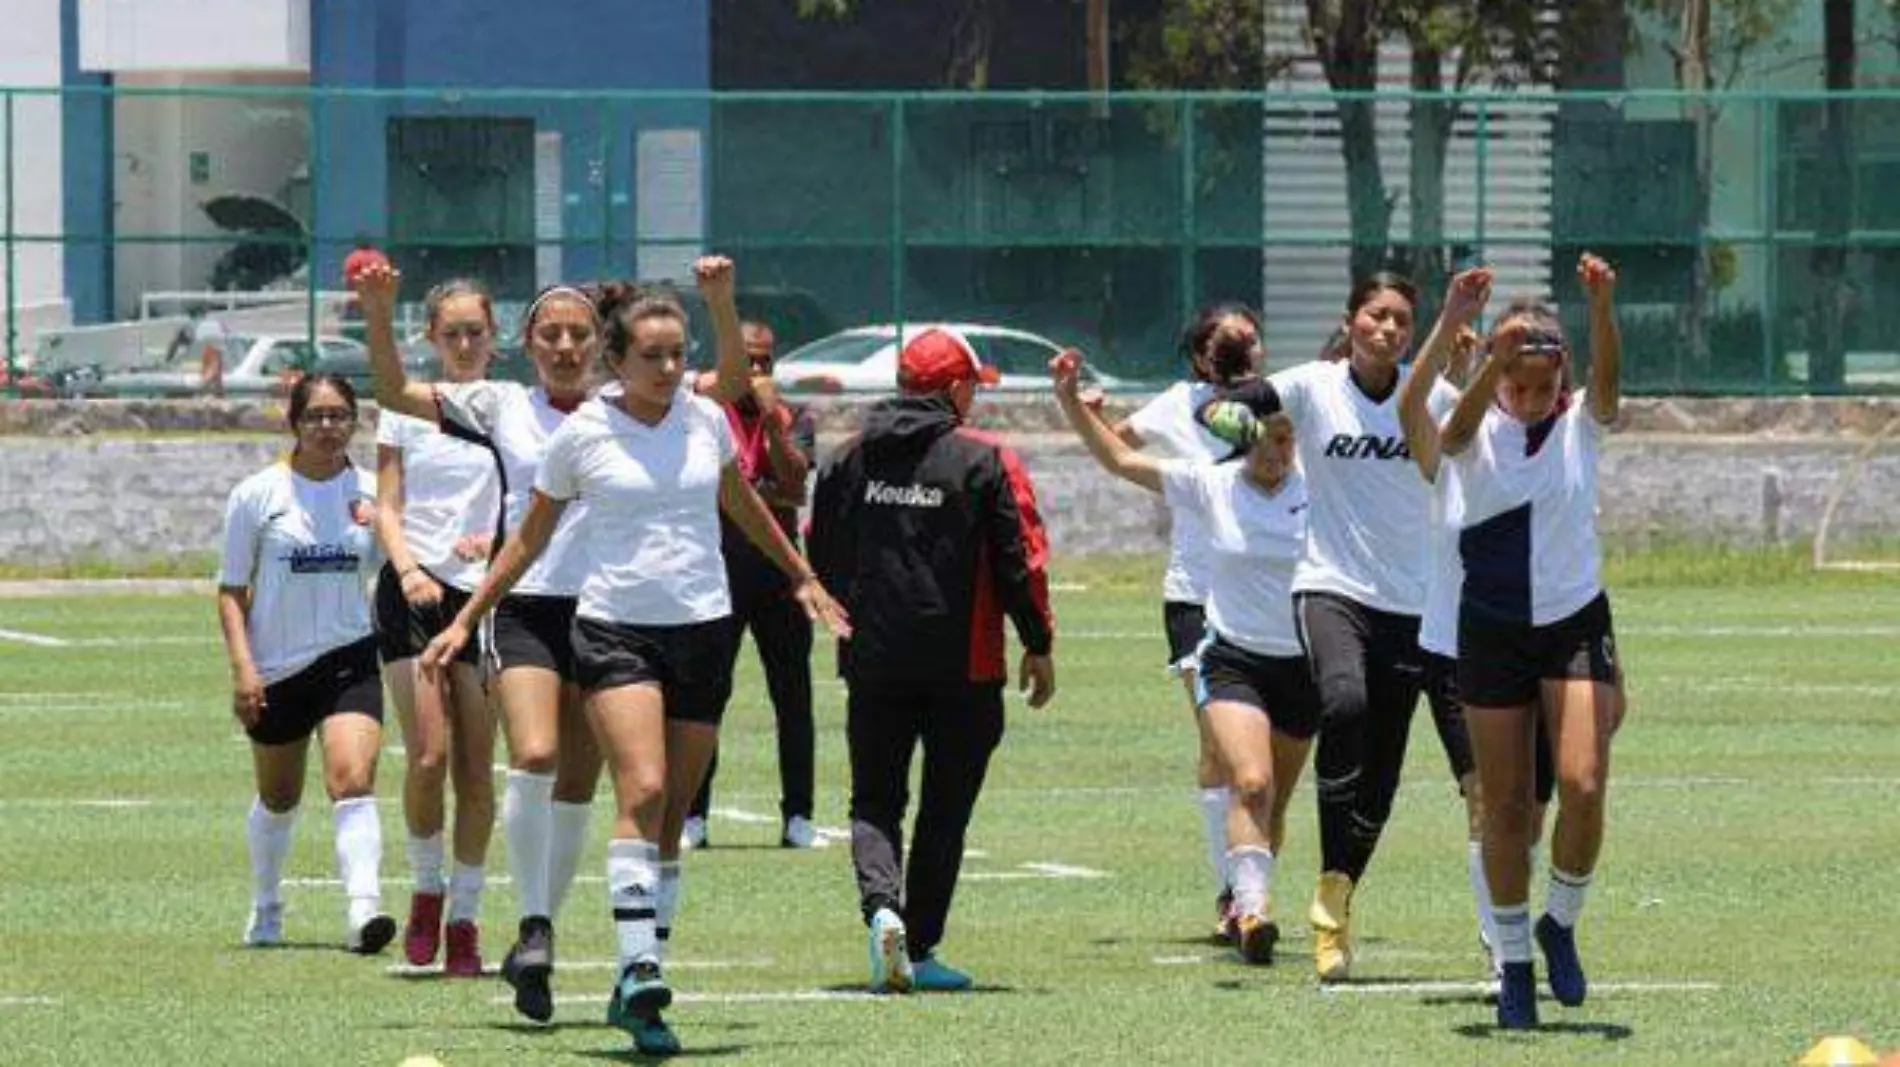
(527,968)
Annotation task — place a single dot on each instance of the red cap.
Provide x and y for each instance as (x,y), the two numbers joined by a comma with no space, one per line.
(939,358)
(361,260)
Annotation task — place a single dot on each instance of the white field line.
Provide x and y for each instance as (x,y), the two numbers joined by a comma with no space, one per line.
(1661,630)
(36,640)
(104,704)
(792,996)
(402,880)
(752,818)
(28,1002)
(1435,782)
(1389,989)
(1768,687)
(108,803)
(407,970)
(66,588)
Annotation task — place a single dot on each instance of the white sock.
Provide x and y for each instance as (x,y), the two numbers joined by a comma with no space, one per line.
(1564,900)
(359,856)
(1214,830)
(1514,933)
(565,846)
(633,882)
(668,904)
(1481,894)
(465,892)
(426,856)
(1250,872)
(269,835)
(527,820)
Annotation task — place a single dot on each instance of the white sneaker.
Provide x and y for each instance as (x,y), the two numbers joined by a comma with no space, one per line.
(693,834)
(266,928)
(800,833)
(368,936)
(890,953)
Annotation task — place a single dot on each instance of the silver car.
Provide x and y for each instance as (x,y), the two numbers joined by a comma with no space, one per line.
(864,359)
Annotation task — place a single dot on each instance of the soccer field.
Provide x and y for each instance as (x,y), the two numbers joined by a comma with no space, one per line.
(1744,906)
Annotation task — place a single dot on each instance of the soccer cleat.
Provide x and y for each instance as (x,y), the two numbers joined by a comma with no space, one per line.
(1517,998)
(1226,918)
(527,967)
(693,833)
(1331,917)
(1564,969)
(1258,935)
(800,833)
(371,936)
(266,928)
(638,998)
(465,951)
(652,1037)
(933,976)
(890,954)
(422,937)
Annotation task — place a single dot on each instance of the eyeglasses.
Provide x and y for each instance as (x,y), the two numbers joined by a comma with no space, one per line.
(328,417)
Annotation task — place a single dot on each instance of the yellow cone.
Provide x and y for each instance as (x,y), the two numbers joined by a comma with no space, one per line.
(1840,1052)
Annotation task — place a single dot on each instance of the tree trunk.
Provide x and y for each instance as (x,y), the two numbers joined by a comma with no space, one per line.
(1432,119)
(1827,334)
(1347,45)
(970,39)
(1692,75)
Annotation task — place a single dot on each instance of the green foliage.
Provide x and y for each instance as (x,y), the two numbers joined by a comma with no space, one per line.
(1737,30)
(1202,44)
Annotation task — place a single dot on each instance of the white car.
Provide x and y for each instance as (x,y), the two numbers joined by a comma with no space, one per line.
(253,366)
(864,359)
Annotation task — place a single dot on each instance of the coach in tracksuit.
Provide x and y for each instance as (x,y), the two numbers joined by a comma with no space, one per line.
(929,533)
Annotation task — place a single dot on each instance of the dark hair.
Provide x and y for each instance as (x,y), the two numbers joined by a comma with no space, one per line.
(1542,315)
(1378,282)
(559,290)
(1206,322)
(621,305)
(1337,347)
(455,287)
(300,394)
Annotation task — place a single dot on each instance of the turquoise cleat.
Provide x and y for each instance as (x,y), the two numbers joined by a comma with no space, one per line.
(930,975)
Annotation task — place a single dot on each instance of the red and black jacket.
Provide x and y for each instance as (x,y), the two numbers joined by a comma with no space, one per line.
(928,533)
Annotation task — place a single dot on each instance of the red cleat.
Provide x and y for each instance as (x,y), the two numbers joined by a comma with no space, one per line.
(423,936)
(465,950)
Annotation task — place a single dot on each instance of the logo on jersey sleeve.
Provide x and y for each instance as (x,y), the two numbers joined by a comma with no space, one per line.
(903,496)
(1366,446)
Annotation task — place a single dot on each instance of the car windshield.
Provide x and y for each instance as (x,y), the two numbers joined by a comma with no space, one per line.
(843,348)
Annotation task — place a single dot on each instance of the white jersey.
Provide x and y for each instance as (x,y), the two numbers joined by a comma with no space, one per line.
(1254,542)
(305,550)
(1169,420)
(449,491)
(1438,629)
(1528,536)
(516,422)
(1365,540)
(652,547)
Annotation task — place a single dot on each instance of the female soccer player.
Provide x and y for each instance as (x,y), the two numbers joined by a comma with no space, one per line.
(1255,690)
(299,545)
(1534,624)
(1360,584)
(1222,346)
(438,498)
(656,464)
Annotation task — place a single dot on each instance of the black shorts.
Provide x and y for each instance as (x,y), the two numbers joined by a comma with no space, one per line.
(534,631)
(692,664)
(1448,714)
(1280,686)
(403,629)
(1502,665)
(341,680)
(1186,625)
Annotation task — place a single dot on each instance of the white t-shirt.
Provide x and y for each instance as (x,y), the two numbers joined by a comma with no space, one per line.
(305,550)
(1365,540)
(1438,629)
(449,491)
(1254,541)
(652,544)
(517,422)
(1528,537)
(1168,420)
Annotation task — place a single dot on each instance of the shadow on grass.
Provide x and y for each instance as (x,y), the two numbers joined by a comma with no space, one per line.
(979,989)
(1608,1032)
(688,1052)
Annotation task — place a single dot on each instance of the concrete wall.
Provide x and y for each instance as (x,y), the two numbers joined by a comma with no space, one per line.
(138,499)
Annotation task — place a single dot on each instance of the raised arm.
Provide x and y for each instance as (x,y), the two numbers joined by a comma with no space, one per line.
(1109,450)
(528,541)
(1463,302)
(1462,426)
(732,374)
(1606,339)
(376,287)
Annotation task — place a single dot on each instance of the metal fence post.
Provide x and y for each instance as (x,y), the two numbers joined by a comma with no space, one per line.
(1188,281)
(1484,176)
(13,263)
(313,244)
(897,217)
(1768,173)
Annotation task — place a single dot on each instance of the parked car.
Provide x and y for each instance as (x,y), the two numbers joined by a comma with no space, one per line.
(864,359)
(253,366)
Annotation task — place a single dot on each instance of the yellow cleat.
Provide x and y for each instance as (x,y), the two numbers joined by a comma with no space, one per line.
(1331,917)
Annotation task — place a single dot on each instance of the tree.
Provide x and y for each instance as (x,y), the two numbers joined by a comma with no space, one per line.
(1345,35)
(1715,40)
(1827,322)
(973,32)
